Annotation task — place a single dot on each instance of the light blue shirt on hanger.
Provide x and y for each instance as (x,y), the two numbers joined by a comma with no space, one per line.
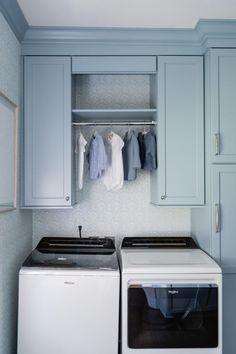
(97,157)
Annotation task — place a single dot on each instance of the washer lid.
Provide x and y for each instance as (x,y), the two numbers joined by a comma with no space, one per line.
(75,245)
(69,261)
(161,261)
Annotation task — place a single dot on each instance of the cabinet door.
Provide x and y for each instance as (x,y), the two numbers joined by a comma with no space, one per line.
(229,313)
(224,217)
(223,104)
(180,174)
(47,131)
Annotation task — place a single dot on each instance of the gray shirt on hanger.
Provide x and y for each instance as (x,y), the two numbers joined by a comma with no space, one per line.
(131,158)
(150,157)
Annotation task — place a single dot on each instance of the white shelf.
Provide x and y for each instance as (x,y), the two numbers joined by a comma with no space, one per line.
(146,114)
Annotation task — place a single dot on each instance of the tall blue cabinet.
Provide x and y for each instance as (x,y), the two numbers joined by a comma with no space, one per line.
(179,179)
(215,225)
(47,132)
(224,244)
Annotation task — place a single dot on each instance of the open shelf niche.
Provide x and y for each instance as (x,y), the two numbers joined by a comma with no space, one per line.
(114,98)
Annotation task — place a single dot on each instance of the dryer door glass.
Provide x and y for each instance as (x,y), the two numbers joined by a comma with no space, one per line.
(173,316)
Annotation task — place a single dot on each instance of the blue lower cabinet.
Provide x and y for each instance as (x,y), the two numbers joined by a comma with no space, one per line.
(224,216)
(47,132)
(229,313)
(179,179)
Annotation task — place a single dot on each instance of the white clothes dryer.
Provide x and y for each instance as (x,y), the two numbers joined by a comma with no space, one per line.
(171,297)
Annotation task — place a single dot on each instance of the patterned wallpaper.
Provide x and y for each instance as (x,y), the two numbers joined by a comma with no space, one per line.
(113,91)
(15,226)
(126,212)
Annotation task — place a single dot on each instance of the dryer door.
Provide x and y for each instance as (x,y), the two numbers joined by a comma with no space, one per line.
(173,316)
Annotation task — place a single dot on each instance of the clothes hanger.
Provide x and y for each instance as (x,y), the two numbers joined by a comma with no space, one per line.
(77,133)
(129,129)
(111,133)
(145,130)
(95,133)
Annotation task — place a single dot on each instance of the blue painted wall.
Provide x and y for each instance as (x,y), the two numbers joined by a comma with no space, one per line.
(15,226)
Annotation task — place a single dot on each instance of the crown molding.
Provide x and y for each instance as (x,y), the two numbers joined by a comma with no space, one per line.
(14,17)
(216,33)
(89,41)
(123,41)
(141,36)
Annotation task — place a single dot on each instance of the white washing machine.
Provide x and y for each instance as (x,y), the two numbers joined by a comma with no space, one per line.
(171,297)
(69,298)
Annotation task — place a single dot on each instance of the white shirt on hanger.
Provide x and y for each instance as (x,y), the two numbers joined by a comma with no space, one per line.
(114,176)
(80,150)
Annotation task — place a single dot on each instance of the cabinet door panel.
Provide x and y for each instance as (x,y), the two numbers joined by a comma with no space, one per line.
(180,131)
(113,64)
(47,131)
(224,217)
(223,104)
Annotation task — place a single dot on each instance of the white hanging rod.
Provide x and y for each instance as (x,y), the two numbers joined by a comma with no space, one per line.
(112,123)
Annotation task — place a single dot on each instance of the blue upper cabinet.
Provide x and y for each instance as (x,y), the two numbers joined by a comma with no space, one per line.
(47,132)
(223,216)
(179,179)
(223,105)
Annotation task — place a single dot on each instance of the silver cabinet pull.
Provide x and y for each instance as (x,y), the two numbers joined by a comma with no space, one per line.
(163,197)
(217,217)
(217,144)
(67,198)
